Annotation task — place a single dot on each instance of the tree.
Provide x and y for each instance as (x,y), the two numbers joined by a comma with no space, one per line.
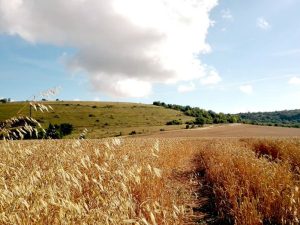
(200,120)
(3,100)
(232,119)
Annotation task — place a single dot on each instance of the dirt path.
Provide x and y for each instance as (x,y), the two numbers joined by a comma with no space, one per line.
(201,203)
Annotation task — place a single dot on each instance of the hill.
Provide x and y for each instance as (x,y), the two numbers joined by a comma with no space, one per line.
(286,118)
(102,119)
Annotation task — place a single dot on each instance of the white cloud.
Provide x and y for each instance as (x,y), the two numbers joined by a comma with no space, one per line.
(247,89)
(128,87)
(294,80)
(212,78)
(124,47)
(186,88)
(226,14)
(263,24)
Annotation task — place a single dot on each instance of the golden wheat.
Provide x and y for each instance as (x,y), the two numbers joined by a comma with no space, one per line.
(249,189)
(87,182)
(147,181)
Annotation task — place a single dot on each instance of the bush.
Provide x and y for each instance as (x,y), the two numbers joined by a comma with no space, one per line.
(66,128)
(174,122)
(200,120)
(4,100)
(52,132)
(132,132)
(58,131)
(191,122)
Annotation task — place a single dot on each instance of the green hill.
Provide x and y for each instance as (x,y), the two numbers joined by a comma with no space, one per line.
(102,119)
(286,118)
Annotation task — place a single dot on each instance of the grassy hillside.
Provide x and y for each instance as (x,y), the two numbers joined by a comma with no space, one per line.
(102,119)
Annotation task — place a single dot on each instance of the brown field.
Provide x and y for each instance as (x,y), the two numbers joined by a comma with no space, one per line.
(233,130)
(151,181)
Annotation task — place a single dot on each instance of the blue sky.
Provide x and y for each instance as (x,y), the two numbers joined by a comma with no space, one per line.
(227,56)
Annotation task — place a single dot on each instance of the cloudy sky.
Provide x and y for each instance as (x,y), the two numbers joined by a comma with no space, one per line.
(227,56)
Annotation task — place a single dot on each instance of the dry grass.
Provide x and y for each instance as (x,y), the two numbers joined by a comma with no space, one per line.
(278,149)
(148,181)
(90,182)
(250,189)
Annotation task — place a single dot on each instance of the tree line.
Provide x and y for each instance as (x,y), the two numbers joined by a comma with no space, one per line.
(202,116)
(286,118)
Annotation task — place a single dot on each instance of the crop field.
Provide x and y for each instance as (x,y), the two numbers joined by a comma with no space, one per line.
(150,181)
(232,130)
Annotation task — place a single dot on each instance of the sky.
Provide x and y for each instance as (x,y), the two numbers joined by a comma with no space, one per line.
(228,56)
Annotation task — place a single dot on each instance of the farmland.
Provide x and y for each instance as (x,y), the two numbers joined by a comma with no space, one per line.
(150,181)
(216,174)
(231,131)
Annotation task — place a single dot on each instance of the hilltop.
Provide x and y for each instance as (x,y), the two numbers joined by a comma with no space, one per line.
(102,119)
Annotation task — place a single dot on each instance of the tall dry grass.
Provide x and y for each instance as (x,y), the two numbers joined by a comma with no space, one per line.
(148,181)
(249,189)
(287,149)
(91,182)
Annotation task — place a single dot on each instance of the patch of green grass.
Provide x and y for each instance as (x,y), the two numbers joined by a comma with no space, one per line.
(109,118)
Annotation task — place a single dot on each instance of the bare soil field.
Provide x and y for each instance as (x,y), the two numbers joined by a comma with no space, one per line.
(233,130)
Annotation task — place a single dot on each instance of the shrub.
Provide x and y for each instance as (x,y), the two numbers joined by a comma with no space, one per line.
(132,132)
(4,100)
(190,122)
(58,131)
(200,120)
(66,128)
(52,132)
(174,122)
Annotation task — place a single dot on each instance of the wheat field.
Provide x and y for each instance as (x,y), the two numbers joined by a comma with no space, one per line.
(150,181)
